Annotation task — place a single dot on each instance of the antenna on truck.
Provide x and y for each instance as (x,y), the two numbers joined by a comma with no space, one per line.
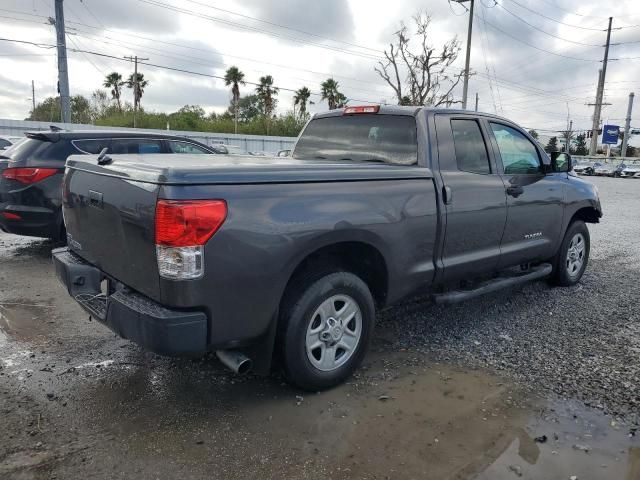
(103,159)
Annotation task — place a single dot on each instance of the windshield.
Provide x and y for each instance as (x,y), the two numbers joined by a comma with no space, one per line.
(383,138)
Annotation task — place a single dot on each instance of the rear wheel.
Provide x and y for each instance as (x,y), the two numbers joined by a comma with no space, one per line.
(325,329)
(572,257)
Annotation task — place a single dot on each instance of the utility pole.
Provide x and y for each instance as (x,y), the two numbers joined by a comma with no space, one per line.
(63,72)
(476,101)
(568,137)
(135,85)
(627,126)
(600,94)
(465,86)
(33,96)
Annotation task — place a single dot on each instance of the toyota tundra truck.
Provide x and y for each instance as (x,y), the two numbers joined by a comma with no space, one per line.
(285,261)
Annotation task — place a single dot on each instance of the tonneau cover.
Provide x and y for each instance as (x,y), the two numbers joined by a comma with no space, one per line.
(181,169)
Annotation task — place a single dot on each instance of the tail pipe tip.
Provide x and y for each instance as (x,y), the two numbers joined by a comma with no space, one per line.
(235,360)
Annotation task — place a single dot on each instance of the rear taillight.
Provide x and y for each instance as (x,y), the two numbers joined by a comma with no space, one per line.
(28,175)
(182,229)
(361,109)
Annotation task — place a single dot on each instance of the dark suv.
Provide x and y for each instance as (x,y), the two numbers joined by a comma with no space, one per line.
(31,172)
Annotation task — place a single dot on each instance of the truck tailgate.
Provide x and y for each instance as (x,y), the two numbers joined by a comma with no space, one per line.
(110,223)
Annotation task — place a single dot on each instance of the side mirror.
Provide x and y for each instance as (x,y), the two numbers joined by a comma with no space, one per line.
(561,162)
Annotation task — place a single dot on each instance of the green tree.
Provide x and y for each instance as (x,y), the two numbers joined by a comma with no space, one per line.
(581,145)
(49,110)
(266,94)
(189,117)
(330,93)
(552,146)
(138,88)
(534,134)
(114,82)
(235,78)
(300,99)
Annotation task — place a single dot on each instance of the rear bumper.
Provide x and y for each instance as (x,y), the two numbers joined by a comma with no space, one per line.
(32,221)
(130,314)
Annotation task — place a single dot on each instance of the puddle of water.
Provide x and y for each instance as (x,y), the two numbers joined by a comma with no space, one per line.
(23,321)
(580,443)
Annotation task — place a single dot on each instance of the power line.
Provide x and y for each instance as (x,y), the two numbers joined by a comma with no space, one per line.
(558,21)
(585,16)
(256,29)
(283,26)
(537,48)
(175,69)
(543,31)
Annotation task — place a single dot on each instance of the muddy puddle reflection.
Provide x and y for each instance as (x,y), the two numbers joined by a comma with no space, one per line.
(399,418)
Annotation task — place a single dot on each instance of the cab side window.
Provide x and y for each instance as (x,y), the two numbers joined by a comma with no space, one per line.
(471,151)
(185,147)
(519,155)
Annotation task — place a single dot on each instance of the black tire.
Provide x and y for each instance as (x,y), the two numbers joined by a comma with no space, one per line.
(563,275)
(299,308)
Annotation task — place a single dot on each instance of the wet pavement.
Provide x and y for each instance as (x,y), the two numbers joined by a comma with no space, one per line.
(78,402)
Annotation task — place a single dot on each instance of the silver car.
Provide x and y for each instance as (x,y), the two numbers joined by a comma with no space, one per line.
(632,171)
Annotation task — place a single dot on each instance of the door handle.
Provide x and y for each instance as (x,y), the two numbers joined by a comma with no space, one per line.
(515,191)
(447,194)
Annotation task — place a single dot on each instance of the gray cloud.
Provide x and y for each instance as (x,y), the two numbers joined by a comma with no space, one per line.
(328,18)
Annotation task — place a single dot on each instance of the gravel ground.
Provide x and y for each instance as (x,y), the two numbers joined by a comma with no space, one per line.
(447,392)
(579,342)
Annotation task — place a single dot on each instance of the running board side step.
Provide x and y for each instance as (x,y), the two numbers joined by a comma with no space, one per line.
(456,296)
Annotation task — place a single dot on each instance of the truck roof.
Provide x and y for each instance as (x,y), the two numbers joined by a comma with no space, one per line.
(413,111)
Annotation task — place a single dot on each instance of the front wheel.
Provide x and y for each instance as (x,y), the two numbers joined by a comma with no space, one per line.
(571,260)
(326,326)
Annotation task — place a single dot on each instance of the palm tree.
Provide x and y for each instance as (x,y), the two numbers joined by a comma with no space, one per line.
(266,93)
(235,78)
(300,98)
(138,87)
(114,82)
(330,93)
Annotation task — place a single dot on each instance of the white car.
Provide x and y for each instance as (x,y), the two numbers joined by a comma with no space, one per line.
(6,142)
(632,171)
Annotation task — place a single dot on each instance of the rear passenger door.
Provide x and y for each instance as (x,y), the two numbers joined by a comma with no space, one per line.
(474,195)
(534,197)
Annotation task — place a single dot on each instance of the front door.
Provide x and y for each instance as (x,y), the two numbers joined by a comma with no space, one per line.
(475,199)
(534,199)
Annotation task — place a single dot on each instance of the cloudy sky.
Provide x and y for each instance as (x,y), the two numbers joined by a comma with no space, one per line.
(534,61)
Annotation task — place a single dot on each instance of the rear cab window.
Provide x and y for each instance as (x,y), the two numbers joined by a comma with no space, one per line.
(360,138)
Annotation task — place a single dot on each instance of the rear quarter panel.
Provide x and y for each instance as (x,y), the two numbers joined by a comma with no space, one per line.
(271,228)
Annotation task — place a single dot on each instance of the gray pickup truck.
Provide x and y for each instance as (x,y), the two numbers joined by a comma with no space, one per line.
(285,261)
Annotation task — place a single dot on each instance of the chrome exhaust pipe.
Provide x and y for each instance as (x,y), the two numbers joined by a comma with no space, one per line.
(235,360)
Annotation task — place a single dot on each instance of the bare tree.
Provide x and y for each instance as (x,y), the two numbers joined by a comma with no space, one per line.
(420,76)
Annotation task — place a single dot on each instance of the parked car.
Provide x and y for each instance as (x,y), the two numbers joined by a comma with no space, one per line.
(7,141)
(284,153)
(31,176)
(632,171)
(292,256)
(227,149)
(609,170)
(586,168)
